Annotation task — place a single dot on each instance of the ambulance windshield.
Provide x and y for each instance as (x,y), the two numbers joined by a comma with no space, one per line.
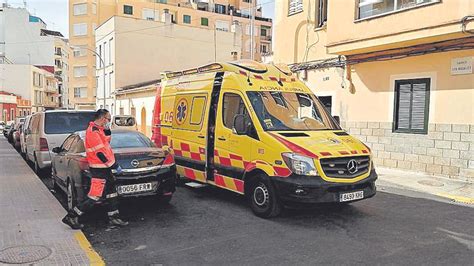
(290,111)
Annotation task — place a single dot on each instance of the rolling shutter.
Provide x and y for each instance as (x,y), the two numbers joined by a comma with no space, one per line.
(411,106)
(296,6)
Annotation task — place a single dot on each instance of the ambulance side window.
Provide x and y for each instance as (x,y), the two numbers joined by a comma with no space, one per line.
(233,105)
(197,110)
(68,143)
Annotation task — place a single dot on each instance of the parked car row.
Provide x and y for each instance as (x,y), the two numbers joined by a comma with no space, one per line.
(53,142)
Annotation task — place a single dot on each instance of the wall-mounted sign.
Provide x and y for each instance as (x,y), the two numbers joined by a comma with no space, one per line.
(461,66)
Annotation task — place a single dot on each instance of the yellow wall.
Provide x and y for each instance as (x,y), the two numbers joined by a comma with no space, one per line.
(347,34)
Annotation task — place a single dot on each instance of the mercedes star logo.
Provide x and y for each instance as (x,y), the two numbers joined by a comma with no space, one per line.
(352,166)
(135,163)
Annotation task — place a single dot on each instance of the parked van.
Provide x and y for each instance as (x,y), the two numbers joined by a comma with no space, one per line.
(49,129)
(257,130)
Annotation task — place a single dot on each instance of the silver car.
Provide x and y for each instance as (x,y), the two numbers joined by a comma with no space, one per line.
(49,129)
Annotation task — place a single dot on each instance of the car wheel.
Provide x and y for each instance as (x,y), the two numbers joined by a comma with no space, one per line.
(263,199)
(71,195)
(36,166)
(54,184)
(165,199)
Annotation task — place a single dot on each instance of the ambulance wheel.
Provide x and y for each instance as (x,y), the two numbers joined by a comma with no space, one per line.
(263,198)
(71,195)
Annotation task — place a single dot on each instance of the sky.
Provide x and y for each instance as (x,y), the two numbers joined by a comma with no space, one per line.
(55,12)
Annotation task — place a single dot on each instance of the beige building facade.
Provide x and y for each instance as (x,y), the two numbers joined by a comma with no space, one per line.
(398,73)
(36,84)
(149,49)
(218,15)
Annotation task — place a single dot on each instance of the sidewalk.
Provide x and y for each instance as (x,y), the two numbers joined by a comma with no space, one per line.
(454,190)
(30,219)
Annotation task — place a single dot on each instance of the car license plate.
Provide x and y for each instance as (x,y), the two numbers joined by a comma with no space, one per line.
(129,189)
(351,196)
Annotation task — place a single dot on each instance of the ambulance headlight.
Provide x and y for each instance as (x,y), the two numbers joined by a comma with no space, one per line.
(299,164)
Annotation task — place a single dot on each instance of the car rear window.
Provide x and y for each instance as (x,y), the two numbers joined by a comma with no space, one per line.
(129,140)
(67,122)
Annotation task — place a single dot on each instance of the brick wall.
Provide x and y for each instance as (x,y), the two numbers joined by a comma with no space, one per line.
(447,149)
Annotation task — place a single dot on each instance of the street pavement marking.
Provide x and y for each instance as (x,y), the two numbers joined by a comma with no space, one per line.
(459,199)
(94,257)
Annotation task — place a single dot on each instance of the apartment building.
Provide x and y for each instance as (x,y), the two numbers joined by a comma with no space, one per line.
(149,49)
(37,84)
(25,40)
(219,15)
(399,73)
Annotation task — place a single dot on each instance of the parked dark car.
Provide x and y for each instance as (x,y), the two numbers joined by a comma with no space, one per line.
(147,170)
(6,130)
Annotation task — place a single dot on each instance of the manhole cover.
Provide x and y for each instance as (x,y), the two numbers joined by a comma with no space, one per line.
(24,254)
(431,183)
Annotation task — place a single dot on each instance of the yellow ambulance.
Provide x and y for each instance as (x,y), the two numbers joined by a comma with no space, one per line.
(256,130)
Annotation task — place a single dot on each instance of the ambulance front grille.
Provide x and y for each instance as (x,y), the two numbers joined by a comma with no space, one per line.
(343,167)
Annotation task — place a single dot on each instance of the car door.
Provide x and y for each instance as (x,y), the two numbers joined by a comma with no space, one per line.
(189,134)
(232,151)
(32,134)
(60,159)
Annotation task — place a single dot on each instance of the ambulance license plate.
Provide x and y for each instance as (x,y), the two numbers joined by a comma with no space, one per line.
(135,188)
(351,196)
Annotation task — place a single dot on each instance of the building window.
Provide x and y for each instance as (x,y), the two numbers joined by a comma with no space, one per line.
(264,49)
(204,22)
(412,100)
(80,51)
(370,8)
(150,14)
(110,51)
(222,25)
(295,7)
(80,71)
(220,9)
(128,10)
(321,12)
(79,29)
(186,19)
(162,1)
(94,8)
(247,1)
(79,9)
(80,92)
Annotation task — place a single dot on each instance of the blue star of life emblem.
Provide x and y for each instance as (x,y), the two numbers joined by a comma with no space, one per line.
(181,112)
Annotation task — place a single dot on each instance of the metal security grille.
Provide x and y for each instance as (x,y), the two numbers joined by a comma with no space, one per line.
(411,106)
(339,167)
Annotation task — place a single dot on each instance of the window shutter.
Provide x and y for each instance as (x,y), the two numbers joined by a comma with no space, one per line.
(418,106)
(404,99)
(295,6)
(412,104)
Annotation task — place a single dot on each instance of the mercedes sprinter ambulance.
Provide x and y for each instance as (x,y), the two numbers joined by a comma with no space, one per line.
(257,130)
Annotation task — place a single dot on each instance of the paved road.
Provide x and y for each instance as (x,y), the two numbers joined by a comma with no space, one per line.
(215,227)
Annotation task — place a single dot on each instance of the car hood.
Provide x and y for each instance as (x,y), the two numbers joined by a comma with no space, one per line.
(323,143)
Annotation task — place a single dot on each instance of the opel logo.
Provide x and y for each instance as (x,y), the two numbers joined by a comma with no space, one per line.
(352,166)
(135,163)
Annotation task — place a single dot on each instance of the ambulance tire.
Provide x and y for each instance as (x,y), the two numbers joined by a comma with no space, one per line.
(263,198)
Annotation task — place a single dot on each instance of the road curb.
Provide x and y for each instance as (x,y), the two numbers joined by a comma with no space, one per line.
(94,258)
(459,199)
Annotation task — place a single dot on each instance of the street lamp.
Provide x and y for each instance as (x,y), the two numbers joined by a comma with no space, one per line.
(78,49)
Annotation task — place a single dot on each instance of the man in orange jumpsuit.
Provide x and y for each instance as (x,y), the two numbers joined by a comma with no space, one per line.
(101,161)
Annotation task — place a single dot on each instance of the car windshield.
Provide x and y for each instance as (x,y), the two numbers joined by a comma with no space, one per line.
(290,111)
(67,122)
(129,140)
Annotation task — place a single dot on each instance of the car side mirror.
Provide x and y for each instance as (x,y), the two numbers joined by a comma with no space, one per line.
(239,127)
(57,150)
(338,119)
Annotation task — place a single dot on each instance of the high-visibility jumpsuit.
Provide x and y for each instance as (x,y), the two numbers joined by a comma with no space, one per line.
(101,161)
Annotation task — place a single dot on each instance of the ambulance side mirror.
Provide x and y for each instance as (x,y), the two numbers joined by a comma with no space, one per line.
(56,150)
(239,126)
(338,119)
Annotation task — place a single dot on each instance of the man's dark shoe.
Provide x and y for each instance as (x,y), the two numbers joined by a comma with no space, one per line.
(73,222)
(117,221)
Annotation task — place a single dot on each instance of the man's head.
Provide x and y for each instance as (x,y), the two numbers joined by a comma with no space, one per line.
(102,117)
